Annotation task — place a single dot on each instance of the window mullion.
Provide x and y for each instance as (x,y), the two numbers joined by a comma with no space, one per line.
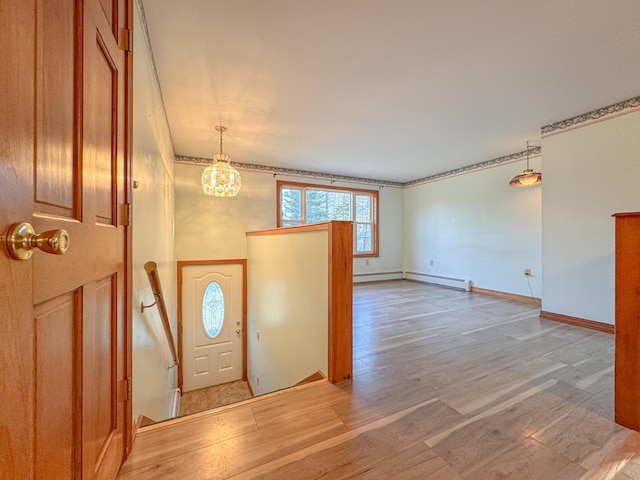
(303,206)
(355,223)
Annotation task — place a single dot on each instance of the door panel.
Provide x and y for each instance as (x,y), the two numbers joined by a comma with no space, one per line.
(100,433)
(55,322)
(63,165)
(102,102)
(110,11)
(212,359)
(103,288)
(56,52)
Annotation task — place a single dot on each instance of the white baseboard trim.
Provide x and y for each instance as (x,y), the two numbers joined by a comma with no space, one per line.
(175,402)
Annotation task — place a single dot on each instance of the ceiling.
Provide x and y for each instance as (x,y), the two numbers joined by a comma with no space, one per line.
(393,90)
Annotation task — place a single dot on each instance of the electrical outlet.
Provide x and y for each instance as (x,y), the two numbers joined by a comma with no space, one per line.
(258,380)
(527,272)
(431,263)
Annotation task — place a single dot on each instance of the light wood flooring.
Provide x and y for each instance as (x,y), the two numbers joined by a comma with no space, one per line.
(447,385)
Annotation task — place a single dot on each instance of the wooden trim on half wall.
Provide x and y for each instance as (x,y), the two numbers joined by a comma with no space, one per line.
(340,301)
(578,322)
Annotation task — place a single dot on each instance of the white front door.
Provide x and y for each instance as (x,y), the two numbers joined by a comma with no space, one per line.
(212,313)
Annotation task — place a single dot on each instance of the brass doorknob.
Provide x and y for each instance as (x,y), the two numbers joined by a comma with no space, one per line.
(22,239)
(237,330)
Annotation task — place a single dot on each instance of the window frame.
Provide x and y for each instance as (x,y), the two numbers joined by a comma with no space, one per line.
(375,235)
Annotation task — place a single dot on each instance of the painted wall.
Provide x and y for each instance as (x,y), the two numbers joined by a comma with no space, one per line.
(390,264)
(153,240)
(475,227)
(288,308)
(210,228)
(213,228)
(590,173)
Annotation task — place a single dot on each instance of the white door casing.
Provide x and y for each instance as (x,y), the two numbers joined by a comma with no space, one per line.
(208,359)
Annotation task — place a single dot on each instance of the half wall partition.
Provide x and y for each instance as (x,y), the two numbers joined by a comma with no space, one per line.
(299,304)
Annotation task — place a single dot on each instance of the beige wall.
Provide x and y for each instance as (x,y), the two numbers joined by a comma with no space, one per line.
(590,172)
(153,239)
(213,228)
(288,303)
(476,227)
(210,228)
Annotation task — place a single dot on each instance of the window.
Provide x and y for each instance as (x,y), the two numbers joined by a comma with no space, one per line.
(302,203)
(213,310)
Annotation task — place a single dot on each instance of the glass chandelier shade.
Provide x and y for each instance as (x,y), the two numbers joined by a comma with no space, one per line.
(528,178)
(220,179)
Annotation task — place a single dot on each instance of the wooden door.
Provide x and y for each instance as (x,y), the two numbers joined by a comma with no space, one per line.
(64,165)
(212,325)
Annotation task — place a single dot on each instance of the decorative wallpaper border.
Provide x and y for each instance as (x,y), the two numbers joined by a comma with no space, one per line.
(615,109)
(286,171)
(476,166)
(369,181)
(626,106)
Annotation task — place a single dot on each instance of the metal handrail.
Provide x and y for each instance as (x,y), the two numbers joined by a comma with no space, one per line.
(152,272)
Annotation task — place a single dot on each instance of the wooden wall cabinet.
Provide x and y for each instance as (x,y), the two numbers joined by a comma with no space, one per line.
(627,328)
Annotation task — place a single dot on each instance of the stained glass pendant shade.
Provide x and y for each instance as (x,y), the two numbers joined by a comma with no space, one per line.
(220,179)
(528,178)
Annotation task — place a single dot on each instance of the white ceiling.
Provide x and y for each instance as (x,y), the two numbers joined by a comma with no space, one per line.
(393,90)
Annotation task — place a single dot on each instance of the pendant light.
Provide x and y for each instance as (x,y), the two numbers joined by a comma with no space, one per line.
(528,178)
(220,179)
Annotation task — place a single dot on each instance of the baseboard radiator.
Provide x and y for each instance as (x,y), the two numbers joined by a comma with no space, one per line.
(175,402)
(377,276)
(438,280)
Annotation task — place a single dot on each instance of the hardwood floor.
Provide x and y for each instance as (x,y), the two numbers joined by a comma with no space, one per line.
(447,385)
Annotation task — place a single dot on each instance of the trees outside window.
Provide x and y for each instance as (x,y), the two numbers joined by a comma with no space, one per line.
(302,203)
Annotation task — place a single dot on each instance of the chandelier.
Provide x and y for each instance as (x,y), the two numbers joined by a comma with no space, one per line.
(220,179)
(527,178)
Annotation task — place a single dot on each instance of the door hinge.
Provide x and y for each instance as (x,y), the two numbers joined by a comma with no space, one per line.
(125,217)
(127,389)
(124,390)
(126,40)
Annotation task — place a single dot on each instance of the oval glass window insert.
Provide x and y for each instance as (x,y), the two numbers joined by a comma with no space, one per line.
(213,310)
